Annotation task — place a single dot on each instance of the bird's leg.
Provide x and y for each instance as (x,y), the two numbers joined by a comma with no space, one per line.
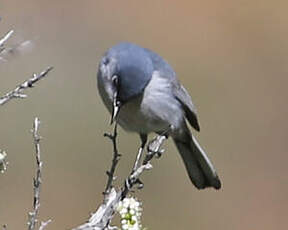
(140,151)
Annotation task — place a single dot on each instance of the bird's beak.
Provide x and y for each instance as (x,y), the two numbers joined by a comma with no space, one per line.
(115,108)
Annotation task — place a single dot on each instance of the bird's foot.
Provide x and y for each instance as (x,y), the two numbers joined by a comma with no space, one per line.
(130,183)
(154,146)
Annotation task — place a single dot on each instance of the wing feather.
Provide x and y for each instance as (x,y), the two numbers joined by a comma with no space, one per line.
(190,110)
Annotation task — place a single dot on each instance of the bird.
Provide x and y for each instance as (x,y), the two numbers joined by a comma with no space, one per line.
(143,94)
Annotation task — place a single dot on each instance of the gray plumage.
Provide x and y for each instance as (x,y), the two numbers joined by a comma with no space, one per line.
(142,92)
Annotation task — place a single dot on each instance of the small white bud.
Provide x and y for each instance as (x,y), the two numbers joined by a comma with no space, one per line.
(132,211)
(123,211)
(125,226)
(123,221)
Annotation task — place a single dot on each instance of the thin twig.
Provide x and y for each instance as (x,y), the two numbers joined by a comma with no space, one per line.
(32,216)
(115,160)
(101,219)
(17,92)
(4,39)
(3,161)
(44,224)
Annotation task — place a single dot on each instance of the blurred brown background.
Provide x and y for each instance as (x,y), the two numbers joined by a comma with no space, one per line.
(231,56)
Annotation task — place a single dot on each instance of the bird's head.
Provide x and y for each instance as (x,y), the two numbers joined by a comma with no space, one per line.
(125,70)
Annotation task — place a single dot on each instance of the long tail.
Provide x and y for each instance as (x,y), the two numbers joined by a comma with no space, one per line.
(198,165)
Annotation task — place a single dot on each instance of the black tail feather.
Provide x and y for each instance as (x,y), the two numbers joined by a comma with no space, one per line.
(198,165)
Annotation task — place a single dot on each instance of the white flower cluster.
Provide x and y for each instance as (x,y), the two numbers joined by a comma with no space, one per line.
(3,163)
(130,211)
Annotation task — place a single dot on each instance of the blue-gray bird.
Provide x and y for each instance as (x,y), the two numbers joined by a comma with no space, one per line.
(142,93)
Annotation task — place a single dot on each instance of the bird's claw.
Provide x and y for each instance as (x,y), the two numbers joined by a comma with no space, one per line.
(154,145)
(159,153)
(129,184)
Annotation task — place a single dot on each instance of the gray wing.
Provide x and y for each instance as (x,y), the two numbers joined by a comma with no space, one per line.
(178,90)
(190,110)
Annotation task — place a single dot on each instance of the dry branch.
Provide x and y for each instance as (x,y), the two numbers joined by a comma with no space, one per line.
(44,224)
(115,160)
(101,219)
(17,92)
(32,216)
(3,161)
(4,39)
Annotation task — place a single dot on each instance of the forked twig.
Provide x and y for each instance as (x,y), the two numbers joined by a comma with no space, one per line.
(37,180)
(115,160)
(44,224)
(101,219)
(17,92)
